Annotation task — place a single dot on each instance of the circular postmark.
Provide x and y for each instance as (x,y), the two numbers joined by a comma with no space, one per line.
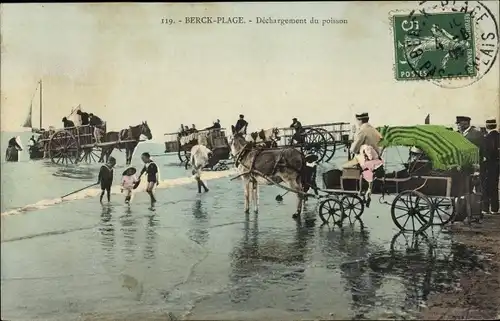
(451,43)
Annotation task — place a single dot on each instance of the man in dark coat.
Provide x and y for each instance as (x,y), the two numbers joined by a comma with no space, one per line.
(490,168)
(241,125)
(469,132)
(67,123)
(297,136)
(97,124)
(84,117)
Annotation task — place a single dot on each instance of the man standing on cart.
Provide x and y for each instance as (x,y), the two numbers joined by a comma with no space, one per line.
(365,135)
(299,130)
(490,168)
(241,126)
(97,124)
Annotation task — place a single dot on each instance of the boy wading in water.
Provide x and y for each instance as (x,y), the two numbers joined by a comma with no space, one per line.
(105,178)
(129,182)
(151,171)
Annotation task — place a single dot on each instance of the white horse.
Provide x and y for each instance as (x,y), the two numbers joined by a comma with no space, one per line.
(200,155)
(267,138)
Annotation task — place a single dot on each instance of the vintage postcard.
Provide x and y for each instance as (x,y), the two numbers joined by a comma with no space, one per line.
(250,160)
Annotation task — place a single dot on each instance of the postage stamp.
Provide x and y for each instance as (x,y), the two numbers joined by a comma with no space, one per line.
(452,43)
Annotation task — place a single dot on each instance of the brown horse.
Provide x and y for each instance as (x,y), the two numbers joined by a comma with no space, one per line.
(127,138)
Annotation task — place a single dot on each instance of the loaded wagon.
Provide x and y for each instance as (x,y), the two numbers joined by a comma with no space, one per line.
(322,140)
(213,139)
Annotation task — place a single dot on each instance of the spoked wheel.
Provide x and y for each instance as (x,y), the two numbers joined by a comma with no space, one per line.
(444,210)
(314,142)
(413,246)
(184,156)
(64,148)
(331,210)
(412,211)
(353,206)
(331,146)
(90,155)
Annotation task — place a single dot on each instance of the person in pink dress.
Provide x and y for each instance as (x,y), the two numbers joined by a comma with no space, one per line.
(129,182)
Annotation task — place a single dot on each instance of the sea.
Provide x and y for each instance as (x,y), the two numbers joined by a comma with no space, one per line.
(197,256)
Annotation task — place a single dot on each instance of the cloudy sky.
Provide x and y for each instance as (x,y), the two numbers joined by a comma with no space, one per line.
(120,62)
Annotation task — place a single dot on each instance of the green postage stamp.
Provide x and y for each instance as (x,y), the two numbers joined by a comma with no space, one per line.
(434,45)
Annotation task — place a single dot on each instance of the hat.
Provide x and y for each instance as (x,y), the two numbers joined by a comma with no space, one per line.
(362,116)
(294,119)
(491,122)
(241,116)
(64,119)
(462,119)
(129,169)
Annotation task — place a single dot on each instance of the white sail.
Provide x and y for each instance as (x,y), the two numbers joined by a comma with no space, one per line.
(27,122)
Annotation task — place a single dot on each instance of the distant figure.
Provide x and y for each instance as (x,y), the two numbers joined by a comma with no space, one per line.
(32,141)
(241,125)
(129,180)
(13,148)
(67,123)
(84,117)
(105,178)
(186,130)
(216,125)
(193,129)
(151,171)
(490,168)
(181,130)
(297,136)
(97,124)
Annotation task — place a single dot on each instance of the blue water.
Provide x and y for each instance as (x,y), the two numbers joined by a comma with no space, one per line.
(196,256)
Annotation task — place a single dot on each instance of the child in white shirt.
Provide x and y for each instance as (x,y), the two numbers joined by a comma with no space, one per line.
(129,182)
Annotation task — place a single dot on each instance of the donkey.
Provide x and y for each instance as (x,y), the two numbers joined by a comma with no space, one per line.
(279,165)
(132,136)
(266,138)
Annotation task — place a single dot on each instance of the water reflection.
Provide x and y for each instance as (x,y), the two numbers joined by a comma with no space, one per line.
(265,262)
(421,270)
(107,232)
(74,172)
(150,247)
(199,225)
(129,230)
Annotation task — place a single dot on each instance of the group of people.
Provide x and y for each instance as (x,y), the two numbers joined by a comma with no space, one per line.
(94,121)
(367,154)
(129,180)
(185,130)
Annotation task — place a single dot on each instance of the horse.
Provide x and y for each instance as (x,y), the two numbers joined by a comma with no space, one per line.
(266,167)
(12,151)
(266,138)
(134,132)
(200,156)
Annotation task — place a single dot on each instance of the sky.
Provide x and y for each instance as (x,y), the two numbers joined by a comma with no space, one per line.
(119,62)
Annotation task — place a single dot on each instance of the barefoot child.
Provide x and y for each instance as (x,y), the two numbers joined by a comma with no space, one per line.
(151,171)
(129,181)
(105,178)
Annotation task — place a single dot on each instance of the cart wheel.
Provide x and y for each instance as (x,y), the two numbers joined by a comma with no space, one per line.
(314,143)
(184,156)
(414,246)
(331,209)
(331,145)
(90,155)
(412,211)
(64,148)
(444,210)
(353,206)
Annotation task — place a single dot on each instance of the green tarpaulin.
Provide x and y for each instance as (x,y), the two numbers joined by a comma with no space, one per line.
(446,148)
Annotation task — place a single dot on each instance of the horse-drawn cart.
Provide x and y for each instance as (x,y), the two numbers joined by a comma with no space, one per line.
(213,139)
(74,145)
(427,188)
(321,140)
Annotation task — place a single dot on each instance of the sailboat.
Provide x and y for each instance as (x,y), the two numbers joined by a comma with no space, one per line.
(28,122)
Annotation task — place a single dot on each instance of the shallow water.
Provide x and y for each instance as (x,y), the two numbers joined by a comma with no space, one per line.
(200,256)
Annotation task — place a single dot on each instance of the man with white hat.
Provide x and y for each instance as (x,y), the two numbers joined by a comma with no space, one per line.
(490,168)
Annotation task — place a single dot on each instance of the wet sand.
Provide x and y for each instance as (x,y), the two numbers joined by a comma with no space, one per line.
(478,294)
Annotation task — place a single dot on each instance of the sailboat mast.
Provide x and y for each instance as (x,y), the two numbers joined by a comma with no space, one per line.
(40,103)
